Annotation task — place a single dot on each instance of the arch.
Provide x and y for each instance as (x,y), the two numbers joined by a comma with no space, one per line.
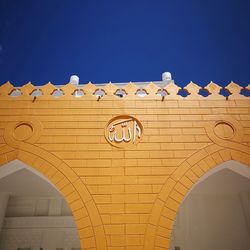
(177,186)
(74,191)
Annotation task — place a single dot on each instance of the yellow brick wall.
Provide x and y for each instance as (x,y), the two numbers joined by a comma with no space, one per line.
(123,198)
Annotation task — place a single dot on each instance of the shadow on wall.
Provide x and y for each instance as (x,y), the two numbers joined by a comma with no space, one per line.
(215,214)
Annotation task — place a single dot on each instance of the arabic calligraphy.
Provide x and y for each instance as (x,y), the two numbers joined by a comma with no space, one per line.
(123,129)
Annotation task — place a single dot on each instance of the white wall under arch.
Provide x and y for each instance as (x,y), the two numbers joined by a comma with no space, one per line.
(215,214)
(37,215)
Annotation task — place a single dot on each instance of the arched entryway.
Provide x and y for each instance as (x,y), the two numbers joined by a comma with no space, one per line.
(215,213)
(33,213)
(74,191)
(177,186)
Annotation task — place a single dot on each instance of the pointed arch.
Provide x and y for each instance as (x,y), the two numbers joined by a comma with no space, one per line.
(74,191)
(177,186)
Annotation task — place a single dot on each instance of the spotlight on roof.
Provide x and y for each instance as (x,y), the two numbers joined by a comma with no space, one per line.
(166,76)
(74,79)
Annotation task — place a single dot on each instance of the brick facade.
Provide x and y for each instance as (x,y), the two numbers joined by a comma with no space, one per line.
(124,198)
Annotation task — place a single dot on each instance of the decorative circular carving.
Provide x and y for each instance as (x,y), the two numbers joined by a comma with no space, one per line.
(123,131)
(23,131)
(224,130)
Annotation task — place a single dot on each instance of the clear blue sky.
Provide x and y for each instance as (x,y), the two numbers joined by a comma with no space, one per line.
(127,40)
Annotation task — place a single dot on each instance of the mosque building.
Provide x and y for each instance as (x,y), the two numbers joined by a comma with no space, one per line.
(124,166)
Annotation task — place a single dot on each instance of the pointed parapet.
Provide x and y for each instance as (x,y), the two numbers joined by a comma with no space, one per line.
(130,89)
(214,91)
(6,89)
(27,89)
(151,89)
(193,91)
(110,89)
(235,90)
(172,90)
(89,88)
(192,88)
(48,89)
(68,90)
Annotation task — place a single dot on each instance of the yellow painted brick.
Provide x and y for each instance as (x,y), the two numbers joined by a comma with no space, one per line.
(80,213)
(135,228)
(134,247)
(125,218)
(111,171)
(111,208)
(107,154)
(166,171)
(89,242)
(169,213)
(193,131)
(137,154)
(104,198)
(172,204)
(164,232)
(165,222)
(106,219)
(166,189)
(72,197)
(163,138)
(86,232)
(86,171)
(176,196)
(62,183)
(225,155)
(210,161)
(156,211)
(138,208)
(186,182)
(145,198)
(180,188)
(161,154)
(138,171)
(110,189)
(124,179)
(149,162)
(156,188)
(97,180)
(216,156)
(144,218)
(138,189)
(162,241)
(197,171)
(84,223)
(118,240)
(151,179)
(170,131)
(133,240)
(203,166)
(192,176)
(114,229)
(180,171)
(68,189)
(75,205)
(197,157)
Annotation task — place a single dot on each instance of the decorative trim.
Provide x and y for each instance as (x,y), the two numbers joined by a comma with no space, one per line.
(94,92)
